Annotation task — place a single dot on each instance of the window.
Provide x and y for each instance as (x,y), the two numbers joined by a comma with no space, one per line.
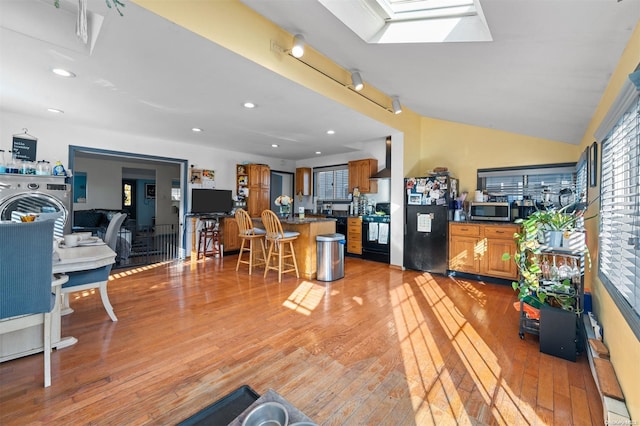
(413,21)
(544,183)
(332,183)
(582,179)
(619,245)
(127,194)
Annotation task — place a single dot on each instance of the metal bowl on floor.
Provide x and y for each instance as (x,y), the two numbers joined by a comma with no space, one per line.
(267,414)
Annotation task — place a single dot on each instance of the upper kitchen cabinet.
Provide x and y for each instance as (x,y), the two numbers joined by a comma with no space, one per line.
(254,182)
(359,173)
(303,181)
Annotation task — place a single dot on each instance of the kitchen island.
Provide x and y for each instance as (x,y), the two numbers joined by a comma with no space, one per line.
(305,244)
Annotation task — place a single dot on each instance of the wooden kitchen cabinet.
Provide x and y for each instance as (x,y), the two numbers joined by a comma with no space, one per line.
(230,234)
(303,181)
(464,248)
(359,173)
(354,235)
(478,249)
(499,240)
(258,180)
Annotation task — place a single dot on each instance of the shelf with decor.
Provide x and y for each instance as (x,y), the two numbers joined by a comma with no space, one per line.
(551,280)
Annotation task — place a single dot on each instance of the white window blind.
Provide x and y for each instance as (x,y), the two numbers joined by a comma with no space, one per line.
(619,250)
(530,182)
(582,181)
(332,183)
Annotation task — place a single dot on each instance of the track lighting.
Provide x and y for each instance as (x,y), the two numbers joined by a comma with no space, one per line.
(356,79)
(298,46)
(395,104)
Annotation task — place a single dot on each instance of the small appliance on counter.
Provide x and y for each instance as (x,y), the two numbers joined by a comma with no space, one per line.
(521,209)
(493,211)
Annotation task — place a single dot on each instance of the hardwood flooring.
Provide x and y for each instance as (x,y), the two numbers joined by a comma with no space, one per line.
(380,347)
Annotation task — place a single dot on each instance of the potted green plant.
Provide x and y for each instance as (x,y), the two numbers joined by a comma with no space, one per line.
(529,253)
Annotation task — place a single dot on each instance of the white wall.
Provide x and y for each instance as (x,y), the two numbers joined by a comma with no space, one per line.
(55,136)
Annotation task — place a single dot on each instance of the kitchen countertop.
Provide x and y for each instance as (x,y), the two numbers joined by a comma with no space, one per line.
(297,220)
(483,222)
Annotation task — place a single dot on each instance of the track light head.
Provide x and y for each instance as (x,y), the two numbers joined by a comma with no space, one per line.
(356,79)
(395,105)
(298,46)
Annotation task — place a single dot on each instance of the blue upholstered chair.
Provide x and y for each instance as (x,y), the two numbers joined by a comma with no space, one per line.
(28,289)
(95,278)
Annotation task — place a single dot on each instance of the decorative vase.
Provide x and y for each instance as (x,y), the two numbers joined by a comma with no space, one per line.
(284,211)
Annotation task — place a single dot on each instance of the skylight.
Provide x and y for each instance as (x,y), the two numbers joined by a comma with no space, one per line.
(412,21)
(403,10)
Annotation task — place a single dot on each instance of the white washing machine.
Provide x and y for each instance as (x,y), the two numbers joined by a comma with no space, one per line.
(21,195)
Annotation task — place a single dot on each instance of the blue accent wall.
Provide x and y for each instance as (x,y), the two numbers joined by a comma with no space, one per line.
(146,206)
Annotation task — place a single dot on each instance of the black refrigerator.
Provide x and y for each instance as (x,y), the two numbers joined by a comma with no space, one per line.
(428,209)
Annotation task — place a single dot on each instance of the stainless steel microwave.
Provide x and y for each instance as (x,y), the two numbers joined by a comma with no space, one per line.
(491,211)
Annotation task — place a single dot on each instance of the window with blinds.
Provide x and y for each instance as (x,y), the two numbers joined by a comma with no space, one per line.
(543,183)
(619,250)
(582,182)
(332,183)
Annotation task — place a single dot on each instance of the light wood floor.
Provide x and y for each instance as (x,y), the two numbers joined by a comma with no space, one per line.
(379,347)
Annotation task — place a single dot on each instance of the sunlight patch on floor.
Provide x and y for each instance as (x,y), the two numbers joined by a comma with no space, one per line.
(423,362)
(83,293)
(133,271)
(478,359)
(305,298)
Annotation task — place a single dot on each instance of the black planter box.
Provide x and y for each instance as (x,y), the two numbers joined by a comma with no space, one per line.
(558,332)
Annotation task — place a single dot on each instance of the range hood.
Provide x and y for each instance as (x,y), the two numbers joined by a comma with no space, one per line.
(386,172)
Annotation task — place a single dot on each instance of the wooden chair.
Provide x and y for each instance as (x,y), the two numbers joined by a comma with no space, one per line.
(26,281)
(95,278)
(250,234)
(208,239)
(278,241)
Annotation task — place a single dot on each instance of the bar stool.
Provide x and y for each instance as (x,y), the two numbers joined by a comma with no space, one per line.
(209,239)
(248,233)
(278,241)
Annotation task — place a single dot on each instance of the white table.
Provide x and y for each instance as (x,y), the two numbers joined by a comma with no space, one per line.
(74,259)
(29,340)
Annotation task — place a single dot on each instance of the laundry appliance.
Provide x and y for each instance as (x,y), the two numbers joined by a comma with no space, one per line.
(44,196)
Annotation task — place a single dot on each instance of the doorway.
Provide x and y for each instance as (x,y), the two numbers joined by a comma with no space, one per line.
(129,205)
(281,184)
(129,183)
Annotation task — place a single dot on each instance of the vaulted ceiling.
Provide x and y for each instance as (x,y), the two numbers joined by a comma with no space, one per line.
(542,75)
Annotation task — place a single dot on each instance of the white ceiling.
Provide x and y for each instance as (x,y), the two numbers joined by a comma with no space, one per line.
(543,74)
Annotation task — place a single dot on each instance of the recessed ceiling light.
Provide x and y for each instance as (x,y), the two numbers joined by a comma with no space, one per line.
(54,110)
(318,152)
(249,105)
(63,73)
(274,145)
(196,129)
(331,132)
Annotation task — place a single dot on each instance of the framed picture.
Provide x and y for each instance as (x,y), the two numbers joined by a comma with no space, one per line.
(593,165)
(149,191)
(414,199)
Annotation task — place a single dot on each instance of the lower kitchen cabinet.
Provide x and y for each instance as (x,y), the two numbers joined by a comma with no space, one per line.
(230,234)
(354,235)
(478,248)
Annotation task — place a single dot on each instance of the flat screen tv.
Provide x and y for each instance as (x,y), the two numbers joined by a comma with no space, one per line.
(214,201)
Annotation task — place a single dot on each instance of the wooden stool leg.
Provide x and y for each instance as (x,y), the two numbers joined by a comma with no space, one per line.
(270,251)
(293,256)
(280,261)
(240,255)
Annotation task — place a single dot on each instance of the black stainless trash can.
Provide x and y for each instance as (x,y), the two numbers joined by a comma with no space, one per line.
(330,248)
